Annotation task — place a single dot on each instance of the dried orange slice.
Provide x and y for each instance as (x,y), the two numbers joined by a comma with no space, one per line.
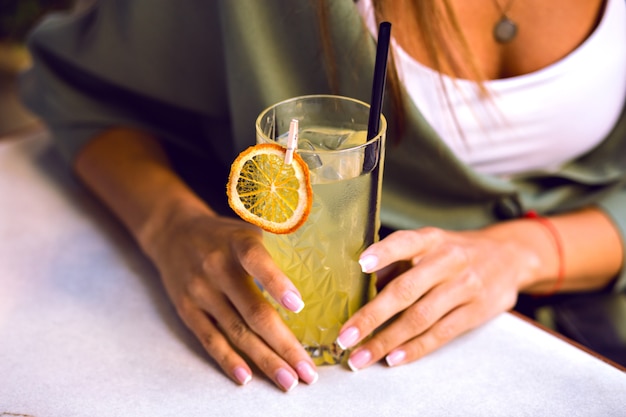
(266,192)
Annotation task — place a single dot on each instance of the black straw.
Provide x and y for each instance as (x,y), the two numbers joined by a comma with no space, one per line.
(380,75)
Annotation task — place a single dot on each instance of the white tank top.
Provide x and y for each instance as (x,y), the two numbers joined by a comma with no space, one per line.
(532,122)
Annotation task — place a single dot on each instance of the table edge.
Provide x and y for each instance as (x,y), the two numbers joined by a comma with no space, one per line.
(568,340)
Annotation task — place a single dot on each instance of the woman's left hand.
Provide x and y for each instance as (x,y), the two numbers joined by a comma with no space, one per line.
(454,282)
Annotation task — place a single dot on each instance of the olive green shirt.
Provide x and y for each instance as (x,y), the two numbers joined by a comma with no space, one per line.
(197,74)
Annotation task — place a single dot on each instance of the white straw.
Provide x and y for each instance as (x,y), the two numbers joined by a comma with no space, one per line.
(292,141)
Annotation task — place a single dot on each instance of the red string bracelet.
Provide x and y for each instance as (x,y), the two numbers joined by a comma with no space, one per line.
(556,237)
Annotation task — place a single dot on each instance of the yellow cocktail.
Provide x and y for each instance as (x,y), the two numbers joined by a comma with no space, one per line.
(321,257)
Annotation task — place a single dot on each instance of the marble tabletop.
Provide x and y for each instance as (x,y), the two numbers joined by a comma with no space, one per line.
(86,330)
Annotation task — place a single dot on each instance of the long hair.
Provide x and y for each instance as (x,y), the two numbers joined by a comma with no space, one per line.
(437,28)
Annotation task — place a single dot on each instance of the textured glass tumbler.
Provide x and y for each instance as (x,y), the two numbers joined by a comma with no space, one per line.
(321,257)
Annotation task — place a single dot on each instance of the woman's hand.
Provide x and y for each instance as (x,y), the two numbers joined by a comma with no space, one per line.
(206,262)
(447,283)
(454,282)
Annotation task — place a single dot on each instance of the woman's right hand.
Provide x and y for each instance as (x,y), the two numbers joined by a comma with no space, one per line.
(206,262)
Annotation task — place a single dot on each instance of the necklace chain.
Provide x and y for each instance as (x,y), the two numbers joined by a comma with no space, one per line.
(505,9)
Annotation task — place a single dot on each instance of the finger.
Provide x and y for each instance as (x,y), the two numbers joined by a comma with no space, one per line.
(271,364)
(417,319)
(398,295)
(236,330)
(264,321)
(399,246)
(215,344)
(231,331)
(258,263)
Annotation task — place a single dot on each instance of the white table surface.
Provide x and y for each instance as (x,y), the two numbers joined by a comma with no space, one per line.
(86,330)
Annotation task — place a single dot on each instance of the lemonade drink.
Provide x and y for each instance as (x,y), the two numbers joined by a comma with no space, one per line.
(321,257)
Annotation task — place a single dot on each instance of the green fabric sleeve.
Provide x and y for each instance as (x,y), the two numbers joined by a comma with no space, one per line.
(133,64)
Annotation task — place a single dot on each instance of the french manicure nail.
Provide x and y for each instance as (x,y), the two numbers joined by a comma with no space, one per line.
(286,380)
(359,359)
(242,375)
(292,301)
(368,263)
(395,357)
(348,337)
(307,373)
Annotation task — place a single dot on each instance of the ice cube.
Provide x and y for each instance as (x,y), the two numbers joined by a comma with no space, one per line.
(312,159)
(329,139)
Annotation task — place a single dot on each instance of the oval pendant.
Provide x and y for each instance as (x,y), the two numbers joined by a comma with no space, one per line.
(505,30)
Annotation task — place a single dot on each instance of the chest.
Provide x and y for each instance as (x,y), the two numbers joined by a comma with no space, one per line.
(547,31)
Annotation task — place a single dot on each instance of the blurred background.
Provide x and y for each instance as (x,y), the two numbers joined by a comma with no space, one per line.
(17,17)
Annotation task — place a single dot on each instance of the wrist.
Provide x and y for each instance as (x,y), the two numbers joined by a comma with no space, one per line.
(551,229)
(536,255)
(166,216)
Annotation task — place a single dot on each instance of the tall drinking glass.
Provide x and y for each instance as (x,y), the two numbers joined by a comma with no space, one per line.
(321,257)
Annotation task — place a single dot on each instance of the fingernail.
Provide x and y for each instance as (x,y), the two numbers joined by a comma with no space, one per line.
(242,375)
(348,337)
(395,357)
(286,380)
(368,263)
(292,301)
(307,373)
(359,359)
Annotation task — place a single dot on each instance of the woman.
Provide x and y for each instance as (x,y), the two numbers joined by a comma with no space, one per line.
(150,104)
